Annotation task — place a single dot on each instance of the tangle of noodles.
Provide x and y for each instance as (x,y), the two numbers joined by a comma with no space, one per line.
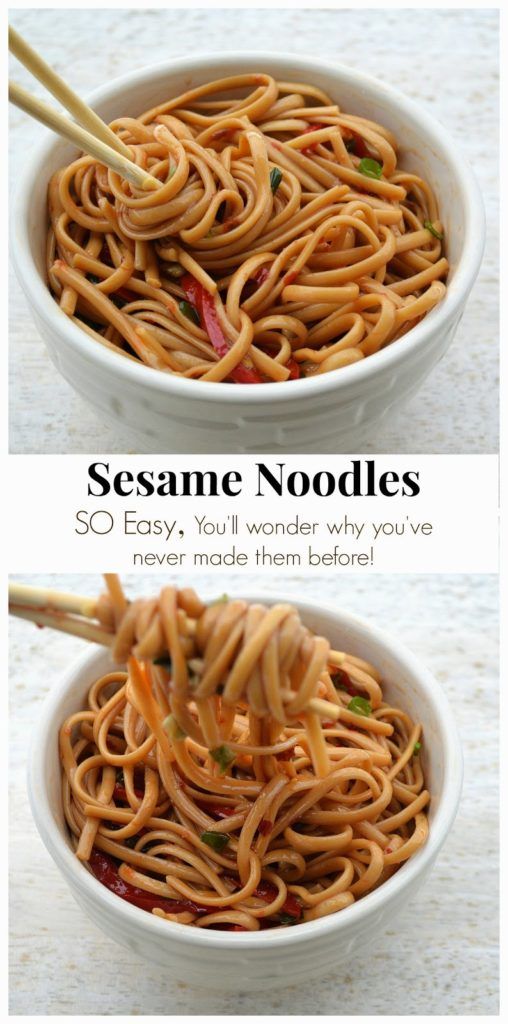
(240,774)
(283,240)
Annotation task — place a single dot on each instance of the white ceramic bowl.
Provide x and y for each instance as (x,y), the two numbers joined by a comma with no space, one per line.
(266,959)
(332,412)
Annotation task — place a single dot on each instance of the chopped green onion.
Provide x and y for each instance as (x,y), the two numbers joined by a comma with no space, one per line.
(430,227)
(287,919)
(360,706)
(172,172)
(173,729)
(217,840)
(164,661)
(417,747)
(188,311)
(223,756)
(371,168)
(275,178)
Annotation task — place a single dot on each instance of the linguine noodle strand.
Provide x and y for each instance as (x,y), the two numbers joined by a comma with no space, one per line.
(283,241)
(240,774)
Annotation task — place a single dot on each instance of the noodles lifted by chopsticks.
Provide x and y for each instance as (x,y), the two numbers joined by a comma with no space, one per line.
(283,240)
(240,774)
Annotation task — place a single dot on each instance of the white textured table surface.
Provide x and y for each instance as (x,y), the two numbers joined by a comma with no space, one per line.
(442,956)
(446,60)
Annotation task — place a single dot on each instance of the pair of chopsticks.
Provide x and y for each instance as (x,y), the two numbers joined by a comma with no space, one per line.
(91,134)
(74,614)
(68,613)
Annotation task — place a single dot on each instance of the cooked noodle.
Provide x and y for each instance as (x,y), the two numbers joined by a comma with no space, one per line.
(257,778)
(283,240)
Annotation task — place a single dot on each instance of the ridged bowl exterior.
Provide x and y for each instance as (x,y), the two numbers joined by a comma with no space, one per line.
(268,959)
(333,412)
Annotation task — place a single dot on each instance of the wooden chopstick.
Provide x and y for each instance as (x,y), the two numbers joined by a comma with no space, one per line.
(80,110)
(54,600)
(69,613)
(65,623)
(57,610)
(81,138)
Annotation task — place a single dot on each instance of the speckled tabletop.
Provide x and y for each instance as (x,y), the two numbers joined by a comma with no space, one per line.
(445,59)
(442,956)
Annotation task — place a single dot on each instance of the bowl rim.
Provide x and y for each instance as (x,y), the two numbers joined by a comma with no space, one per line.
(436,321)
(137,919)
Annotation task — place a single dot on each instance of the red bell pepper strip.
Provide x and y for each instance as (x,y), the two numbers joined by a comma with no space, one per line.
(105,870)
(265,827)
(261,275)
(217,811)
(268,891)
(205,307)
(120,793)
(294,369)
(359,147)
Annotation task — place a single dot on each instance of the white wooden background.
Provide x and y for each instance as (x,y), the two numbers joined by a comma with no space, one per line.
(441,958)
(445,59)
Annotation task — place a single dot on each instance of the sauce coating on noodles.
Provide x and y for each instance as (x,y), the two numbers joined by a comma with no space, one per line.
(241,774)
(284,240)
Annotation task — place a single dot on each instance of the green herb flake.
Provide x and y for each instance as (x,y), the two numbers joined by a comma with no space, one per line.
(216,840)
(371,168)
(188,311)
(223,756)
(223,599)
(430,227)
(173,729)
(275,178)
(360,706)
(287,919)
(417,747)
